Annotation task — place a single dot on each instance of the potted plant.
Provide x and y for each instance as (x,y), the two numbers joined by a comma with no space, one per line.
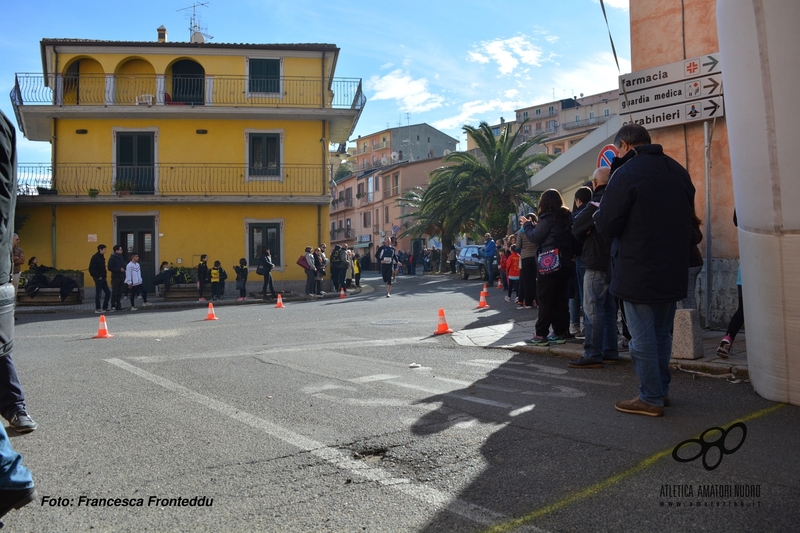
(124,186)
(359,195)
(93,193)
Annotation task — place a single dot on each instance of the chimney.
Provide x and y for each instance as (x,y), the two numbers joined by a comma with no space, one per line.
(502,120)
(162,34)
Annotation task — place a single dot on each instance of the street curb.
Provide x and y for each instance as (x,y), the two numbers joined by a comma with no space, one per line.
(697,365)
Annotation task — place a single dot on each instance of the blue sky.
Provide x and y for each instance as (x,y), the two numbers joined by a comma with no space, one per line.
(440,62)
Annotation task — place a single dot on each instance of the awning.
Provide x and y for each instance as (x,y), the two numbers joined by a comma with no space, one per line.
(576,164)
(362,245)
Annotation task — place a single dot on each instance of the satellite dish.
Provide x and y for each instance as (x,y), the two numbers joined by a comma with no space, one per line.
(384,160)
(395,155)
(446,152)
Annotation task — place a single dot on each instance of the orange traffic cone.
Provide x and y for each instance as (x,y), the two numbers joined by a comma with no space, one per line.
(485,290)
(211,314)
(482,304)
(102,331)
(443,327)
(342,293)
(279,305)
(500,284)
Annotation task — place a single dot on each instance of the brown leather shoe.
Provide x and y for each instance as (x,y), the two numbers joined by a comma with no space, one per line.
(638,407)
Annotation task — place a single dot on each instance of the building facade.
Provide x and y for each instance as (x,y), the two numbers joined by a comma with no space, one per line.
(180,149)
(403,143)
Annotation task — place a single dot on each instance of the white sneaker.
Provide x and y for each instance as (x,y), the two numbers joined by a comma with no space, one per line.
(134,308)
(507,298)
(574,329)
(147,304)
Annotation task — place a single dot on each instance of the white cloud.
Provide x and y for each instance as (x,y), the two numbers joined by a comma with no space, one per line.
(471,113)
(595,74)
(386,66)
(507,53)
(412,95)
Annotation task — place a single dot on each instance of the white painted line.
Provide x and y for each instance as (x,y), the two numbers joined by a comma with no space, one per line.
(429,495)
(521,410)
(467,398)
(376,377)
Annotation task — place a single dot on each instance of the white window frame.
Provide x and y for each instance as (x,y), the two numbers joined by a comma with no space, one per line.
(247,176)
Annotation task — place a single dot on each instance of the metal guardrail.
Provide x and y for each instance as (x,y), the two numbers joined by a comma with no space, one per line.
(231,91)
(168,179)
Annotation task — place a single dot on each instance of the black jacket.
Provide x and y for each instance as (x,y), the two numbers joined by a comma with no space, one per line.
(116,265)
(596,249)
(266,263)
(647,210)
(552,232)
(97,266)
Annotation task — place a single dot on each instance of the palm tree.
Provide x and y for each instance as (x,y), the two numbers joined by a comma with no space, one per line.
(490,187)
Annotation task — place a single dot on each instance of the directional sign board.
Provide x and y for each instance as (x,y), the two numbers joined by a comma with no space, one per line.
(606,155)
(676,93)
(675,114)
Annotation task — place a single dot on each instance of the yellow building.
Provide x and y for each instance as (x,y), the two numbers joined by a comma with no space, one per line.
(180,149)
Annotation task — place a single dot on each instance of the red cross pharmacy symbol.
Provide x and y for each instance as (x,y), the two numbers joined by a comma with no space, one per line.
(691,67)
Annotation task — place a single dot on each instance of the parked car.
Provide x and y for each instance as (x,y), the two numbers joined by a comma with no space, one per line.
(470,262)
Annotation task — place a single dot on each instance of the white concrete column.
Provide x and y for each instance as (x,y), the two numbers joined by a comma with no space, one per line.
(759,44)
(110,89)
(161,88)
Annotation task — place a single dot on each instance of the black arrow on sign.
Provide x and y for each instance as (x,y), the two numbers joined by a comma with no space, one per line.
(713,108)
(714,85)
(713,63)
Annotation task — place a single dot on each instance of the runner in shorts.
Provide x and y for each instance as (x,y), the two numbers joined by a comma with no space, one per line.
(387,259)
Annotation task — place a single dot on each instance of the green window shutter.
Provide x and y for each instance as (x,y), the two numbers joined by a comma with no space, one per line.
(265,75)
(265,154)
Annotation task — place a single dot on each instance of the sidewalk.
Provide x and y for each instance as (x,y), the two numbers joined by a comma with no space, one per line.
(512,336)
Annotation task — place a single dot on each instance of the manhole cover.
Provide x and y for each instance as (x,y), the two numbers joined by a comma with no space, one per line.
(390,322)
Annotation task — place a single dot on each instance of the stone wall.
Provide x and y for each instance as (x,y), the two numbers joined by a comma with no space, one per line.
(724,296)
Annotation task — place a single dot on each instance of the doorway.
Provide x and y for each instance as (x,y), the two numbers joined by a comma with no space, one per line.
(137,234)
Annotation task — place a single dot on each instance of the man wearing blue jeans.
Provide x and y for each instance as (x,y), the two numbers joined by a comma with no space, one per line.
(16,483)
(599,306)
(489,251)
(647,210)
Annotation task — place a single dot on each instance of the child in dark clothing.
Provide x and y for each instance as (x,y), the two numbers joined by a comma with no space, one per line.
(202,275)
(215,275)
(241,279)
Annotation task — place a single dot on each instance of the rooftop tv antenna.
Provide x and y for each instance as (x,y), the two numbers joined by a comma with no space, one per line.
(196,33)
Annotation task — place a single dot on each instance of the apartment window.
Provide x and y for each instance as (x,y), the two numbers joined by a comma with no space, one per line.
(524,115)
(262,235)
(606,112)
(387,185)
(538,112)
(386,214)
(577,118)
(551,125)
(591,114)
(551,110)
(367,219)
(526,129)
(538,126)
(264,154)
(135,161)
(429,139)
(396,184)
(265,75)
(557,150)
(496,131)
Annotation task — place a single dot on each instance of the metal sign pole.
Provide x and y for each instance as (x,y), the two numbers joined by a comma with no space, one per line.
(707,161)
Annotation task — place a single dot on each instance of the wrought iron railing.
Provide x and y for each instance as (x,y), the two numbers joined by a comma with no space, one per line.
(231,91)
(583,123)
(169,179)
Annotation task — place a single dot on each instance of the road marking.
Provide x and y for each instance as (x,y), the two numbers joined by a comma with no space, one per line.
(592,490)
(334,456)
(501,367)
(292,348)
(376,377)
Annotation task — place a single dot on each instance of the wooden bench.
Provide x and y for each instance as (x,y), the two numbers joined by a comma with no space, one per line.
(49,297)
(184,292)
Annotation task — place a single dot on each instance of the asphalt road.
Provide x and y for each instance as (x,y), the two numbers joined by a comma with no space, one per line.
(310,418)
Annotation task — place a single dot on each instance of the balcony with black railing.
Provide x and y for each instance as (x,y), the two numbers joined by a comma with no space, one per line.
(169,179)
(150,90)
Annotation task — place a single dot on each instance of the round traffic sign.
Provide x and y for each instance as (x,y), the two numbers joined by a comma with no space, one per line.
(606,155)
